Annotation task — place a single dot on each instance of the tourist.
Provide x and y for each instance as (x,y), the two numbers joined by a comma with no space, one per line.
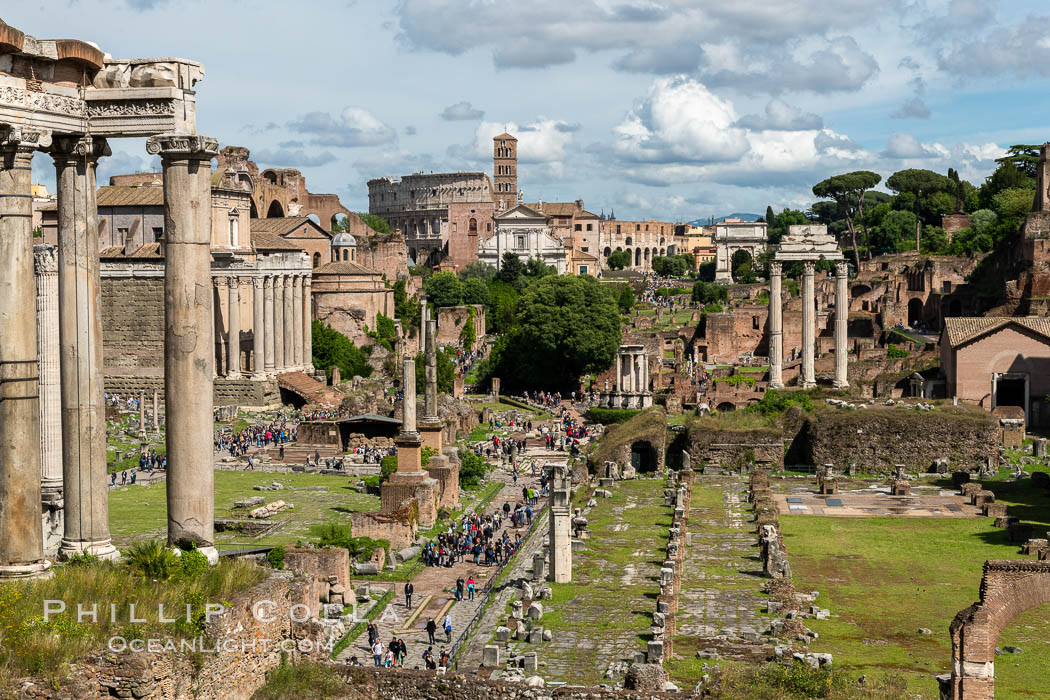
(470,587)
(448,628)
(409,589)
(377,652)
(431,629)
(444,658)
(460,583)
(428,658)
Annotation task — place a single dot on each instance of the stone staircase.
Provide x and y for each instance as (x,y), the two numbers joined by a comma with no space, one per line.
(310,390)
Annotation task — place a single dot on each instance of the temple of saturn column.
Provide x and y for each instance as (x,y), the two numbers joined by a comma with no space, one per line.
(632,380)
(807,244)
(67,98)
(559,535)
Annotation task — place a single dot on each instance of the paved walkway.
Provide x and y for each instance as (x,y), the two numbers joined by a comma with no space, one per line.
(721,576)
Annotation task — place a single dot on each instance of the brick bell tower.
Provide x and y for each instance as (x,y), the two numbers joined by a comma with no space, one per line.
(505,170)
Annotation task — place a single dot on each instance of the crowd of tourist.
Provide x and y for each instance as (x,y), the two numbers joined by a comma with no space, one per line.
(283,428)
(474,537)
(128,403)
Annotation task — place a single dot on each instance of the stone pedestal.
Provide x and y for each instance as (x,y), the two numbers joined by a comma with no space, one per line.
(86,500)
(21,544)
(430,431)
(900,488)
(188,335)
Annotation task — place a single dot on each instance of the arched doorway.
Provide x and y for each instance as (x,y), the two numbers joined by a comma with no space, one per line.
(254,211)
(317,260)
(275,210)
(608,251)
(637,257)
(472,228)
(914,312)
(643,456)
(725,406)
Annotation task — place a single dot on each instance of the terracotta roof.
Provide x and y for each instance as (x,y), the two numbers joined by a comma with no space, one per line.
(283,225)
(117,196)
(963,330)
(586,215)
(555,208)
(268,241)
(505,135)
(148,251)
(344,268)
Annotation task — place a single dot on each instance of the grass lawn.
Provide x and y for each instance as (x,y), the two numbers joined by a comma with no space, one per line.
(137,512)
(884,578)
(605,613)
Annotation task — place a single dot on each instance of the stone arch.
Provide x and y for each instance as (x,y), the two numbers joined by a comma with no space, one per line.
(317,260)
(725,406)
(619,249)
(338,222)
(254,211)
(1008,588)
(472,227)
(645,256)
(314,218)
(859,289)
(275,210)
(914,311)
(628,241)
(637,257)
(608,251)
(662,252)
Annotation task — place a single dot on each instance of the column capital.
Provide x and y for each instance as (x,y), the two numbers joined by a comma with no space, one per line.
(257,282)
(297,280)
(220,281)
(285,281)
(182,146)
(268,282)
(23,138)
(45,258)
(776,268)
(841,269)
(808,267)
(79,148)
(233,281)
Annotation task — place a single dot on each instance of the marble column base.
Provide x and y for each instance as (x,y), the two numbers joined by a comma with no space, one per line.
(36,570)
(103,549)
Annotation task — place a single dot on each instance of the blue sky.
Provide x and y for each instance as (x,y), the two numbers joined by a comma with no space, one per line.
(670,109)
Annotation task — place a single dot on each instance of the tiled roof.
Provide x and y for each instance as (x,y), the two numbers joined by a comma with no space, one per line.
(963,330)
(344,268)
(117,196)
(148,251)
(269,241)
(282,226)
(555,208)
(505,135)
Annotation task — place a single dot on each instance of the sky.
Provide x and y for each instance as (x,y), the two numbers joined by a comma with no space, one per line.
(665,109)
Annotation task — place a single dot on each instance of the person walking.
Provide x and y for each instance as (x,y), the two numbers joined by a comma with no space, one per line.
(459,588)
(409,590)
(470,587)
(448,628)
(431,629)
(377,652)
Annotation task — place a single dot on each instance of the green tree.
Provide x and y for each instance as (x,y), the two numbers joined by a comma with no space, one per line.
(670,265)
(446,371)
(406,308)
(779,226)
(511,269)
(706,271)
(477,270)
(503,301)
(741,265)
(333,349)
(847,191)
(475,291)
(536,268)
(934,240)
(385,333)
(468,336)
(376,223)
(624,297)
(920,184)
(769,214)
(710,292)
(565,327)
(893,233)
(444,289)
(1013,202)
(982,221)
(618,260)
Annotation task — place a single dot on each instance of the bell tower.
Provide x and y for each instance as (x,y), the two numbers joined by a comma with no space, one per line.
(505,169)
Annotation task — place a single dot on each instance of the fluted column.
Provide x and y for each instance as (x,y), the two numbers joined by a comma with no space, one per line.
(776,327)
(308,332)
(619,373)
(430,371)
(297,320)
(270,361)
(233,335)
(289,324)
(841,324)
(86,524)
(46,264)
(279,359)
(21,535)
(219,327)
(258,330)
(188,329)
(809,323)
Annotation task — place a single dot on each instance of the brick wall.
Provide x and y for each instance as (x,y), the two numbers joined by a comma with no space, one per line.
(322,563)
(132,325)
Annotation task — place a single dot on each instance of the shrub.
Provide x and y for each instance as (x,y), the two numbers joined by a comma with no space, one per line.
(276,557)
(472,469)
(775,402)
(611,416)
(192,563)
(153,559)
(387,466)
(340,535)
(896,352)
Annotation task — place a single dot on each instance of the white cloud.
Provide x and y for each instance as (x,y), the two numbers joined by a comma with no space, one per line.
(462,111)
(355,126)
(781,116)
(914,108)
(541,141)
(905,146)
(288,155)
(1020,49)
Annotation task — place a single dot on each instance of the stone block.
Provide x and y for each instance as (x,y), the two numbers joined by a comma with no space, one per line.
(535,610)
(502,634)
(655,652)
(530,662)
(490,656)
(516,609)
(548,635)
(535,635)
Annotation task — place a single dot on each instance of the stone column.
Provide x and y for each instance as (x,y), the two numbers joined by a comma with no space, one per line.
(278,324)
(21,537)
(308,332)
(430,427)
(619,373)
(408,403)
(560,524)
(188,328)
(142,413)
(809,323)
(156,411)
(637,369)
(841,324)
(270,360)
(222,366)
(776,327)
(289,325)
(297,319)
(258,330)
(86,527)
(46,264)
(233,335)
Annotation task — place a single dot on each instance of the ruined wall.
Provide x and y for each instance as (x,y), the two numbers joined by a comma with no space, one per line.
(133,325)
(322,563)
(225,675)
(744,329)
(450,320)
(734,447)
(879,437)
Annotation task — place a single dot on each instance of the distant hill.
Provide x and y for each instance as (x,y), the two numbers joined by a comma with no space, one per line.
(742,217)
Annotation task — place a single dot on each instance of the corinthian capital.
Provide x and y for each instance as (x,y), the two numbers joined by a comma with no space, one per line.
(79,148)
(23,140)
(45,258)
(808,267)
(176,146)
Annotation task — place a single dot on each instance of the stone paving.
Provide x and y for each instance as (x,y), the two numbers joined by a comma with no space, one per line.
(721,571)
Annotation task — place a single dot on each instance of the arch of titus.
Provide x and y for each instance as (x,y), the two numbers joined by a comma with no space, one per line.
(807,244)
(66,98)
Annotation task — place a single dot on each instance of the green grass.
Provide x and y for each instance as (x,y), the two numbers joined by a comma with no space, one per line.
(883,578)
(302,680)
(136,512)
